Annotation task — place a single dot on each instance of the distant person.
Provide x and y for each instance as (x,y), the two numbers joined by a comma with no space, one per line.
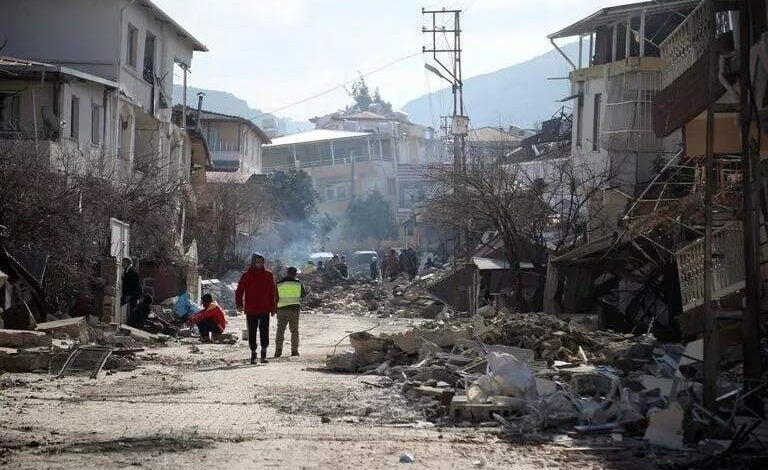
(429,264)
(131,285)
(256,294)
(410,263)
(309,268)
(374,267)
(392,265)
(320,267)
(342,268)
(210,320)
(290,291)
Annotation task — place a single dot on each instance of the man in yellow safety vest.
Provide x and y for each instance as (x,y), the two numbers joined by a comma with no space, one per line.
(290,291)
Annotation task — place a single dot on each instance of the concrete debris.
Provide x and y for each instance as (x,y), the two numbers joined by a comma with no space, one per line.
(25,359)
(70,328)
(665,427)
(405,457)
(23,339)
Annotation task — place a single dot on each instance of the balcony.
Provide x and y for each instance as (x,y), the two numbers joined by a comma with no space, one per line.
(727,266)
(628,122)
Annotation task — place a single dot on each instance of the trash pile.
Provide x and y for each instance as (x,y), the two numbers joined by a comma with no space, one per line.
(534,375)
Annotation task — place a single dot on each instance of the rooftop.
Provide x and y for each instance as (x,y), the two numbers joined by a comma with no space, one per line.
(17,67)
(214,116)
(611,15)
(316,135)
(164,18)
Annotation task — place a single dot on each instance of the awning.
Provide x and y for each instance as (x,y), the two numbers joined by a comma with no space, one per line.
(570,97)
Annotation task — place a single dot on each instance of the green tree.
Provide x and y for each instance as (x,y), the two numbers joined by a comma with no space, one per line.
(385,105)
(293,195)
(371,217)
(361,94)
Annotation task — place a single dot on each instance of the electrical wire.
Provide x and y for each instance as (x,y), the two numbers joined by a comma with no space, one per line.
(337,87)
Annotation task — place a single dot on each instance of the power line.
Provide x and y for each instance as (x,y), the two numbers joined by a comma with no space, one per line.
(339,86)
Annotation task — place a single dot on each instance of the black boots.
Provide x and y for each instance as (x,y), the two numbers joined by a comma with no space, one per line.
(264,356)
(295,353)
(253,357)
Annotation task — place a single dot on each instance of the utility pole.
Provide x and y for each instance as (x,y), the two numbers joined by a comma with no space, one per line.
(444,43)
(751,228)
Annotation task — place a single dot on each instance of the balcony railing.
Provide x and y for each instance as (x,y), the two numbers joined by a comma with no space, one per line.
(686,43)
(628,124)
(727,266)
(329,162)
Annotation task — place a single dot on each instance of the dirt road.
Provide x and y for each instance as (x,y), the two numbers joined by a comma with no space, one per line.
(203,406)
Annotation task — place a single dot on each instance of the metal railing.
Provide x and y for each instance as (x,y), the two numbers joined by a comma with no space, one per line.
(628,123)
(328,162)
(727,266)
(683,47)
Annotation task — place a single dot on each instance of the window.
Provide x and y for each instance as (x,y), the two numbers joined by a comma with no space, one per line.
(149,57)
(9,111)
(74,118)
(596,122)
(96,124)
(330,194)
(133,45)
(579,115)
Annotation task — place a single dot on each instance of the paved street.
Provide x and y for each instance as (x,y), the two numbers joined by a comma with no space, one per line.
(182,409)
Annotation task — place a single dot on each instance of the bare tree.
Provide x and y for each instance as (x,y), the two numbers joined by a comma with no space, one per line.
(536,207)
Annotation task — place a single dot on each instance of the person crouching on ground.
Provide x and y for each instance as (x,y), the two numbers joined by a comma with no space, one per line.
(210,320)
(290,291)
(256,294)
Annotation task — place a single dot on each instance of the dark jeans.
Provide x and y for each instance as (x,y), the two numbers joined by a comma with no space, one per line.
(207,328)
(261,323)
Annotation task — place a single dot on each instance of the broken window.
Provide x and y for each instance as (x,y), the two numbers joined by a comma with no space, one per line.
(133,45)
(149,57)
(580,115)
(96,125)
(9,111)
(74,117)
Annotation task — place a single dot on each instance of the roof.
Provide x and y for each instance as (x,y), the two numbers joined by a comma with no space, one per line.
(316,135)
(214,116)
(163,17)
(363,116)
(492,134)
(16,65)
(610,15)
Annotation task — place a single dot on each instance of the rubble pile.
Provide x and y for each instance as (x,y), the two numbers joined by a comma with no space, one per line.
(26,351)
(534,374)
(361,296)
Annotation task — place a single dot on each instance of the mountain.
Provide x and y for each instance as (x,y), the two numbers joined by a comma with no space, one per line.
(227,103)
(520,94)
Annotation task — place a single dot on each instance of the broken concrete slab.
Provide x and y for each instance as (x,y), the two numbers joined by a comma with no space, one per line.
(545,387)
(665,427)
(23,339)
(344,362)
(74,328)
(664,385)
(24,360)
(141,335)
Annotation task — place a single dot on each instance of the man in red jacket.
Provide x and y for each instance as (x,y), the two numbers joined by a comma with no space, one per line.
(257,294)
(210,320)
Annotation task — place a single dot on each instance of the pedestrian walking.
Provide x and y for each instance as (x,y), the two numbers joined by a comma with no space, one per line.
(256,295)
(290,291)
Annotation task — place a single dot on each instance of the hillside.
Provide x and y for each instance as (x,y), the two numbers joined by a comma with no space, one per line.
(520,94)
(227,103)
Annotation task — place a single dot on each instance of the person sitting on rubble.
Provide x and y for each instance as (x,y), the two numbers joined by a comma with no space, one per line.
(374,267)
(210,321)
(139,317)
(290,291)
(429,264)
(184,306)
(320,267)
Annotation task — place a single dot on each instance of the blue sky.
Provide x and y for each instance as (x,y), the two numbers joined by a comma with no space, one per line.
(275,52)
